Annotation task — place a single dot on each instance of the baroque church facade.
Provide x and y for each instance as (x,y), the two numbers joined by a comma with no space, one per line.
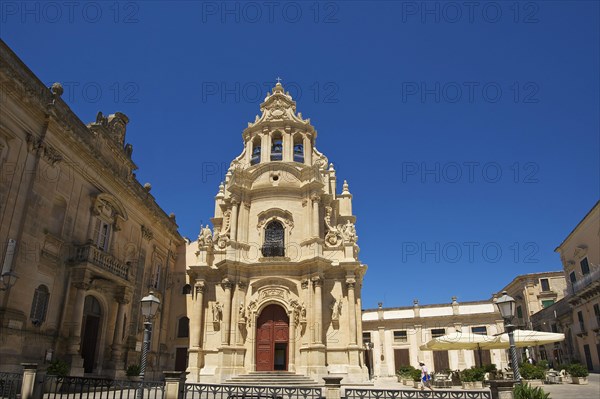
(276,286)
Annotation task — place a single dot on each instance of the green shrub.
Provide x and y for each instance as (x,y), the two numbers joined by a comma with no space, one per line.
(472,374)
(58,368)
(488,368)
(405,371)
(416,375)
(578,370)
(532,372)
(133,370)
(525,391)
(543,364)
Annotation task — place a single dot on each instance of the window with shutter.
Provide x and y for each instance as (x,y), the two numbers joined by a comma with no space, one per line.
(39,306)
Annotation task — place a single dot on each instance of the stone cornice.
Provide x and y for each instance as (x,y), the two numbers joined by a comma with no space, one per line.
(69,129)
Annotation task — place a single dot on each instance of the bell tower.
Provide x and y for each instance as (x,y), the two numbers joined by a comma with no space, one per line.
(277,279)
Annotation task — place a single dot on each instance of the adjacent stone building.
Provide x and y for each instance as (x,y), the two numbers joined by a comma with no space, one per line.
(534,292)
(85,239)
(277,282)
(396,335)
(580,256)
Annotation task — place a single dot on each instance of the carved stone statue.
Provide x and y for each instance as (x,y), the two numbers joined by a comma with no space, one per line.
(242,313)
(217,309)
(205,238)
(349,232)
(336,309)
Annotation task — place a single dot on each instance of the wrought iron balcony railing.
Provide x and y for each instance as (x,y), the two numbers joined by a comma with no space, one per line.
(587,280)
(91,254)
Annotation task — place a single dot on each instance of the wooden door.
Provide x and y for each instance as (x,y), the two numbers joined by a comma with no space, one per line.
(486,357)
(401,358)
(440,361)
(272,336)
(88,346)
(181,359)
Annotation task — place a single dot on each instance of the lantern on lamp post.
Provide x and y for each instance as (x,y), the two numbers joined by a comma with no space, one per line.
(150,305)
(506,306)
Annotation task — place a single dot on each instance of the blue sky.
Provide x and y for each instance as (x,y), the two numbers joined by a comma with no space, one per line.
(469,135)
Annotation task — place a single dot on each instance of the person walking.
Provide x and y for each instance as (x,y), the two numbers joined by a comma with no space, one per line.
(425,377)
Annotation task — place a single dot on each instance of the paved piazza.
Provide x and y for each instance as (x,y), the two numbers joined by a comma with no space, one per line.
(557,391)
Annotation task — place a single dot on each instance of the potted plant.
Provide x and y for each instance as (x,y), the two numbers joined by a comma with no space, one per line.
(472,378)
(490,370)
(578,373)
(55,373)
(526,391)
(404,374)
(416,377)
(133,372)
(532,374)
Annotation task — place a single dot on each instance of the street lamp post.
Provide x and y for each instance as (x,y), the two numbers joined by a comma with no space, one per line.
(8,280)
(150,305)
(368,349)
(506,306)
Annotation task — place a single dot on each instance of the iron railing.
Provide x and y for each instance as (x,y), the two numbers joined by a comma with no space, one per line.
(586,280)
(208,391)
(100,388)
(352,393)
(10,385)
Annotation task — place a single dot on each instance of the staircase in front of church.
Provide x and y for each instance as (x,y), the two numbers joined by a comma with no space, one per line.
(273,378)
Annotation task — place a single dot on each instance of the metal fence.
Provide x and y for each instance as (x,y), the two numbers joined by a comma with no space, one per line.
(100,388)
(208,391)
(10,385)
(352,393)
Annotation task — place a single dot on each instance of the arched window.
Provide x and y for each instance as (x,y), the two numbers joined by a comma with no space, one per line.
(255,151)
(186,290)
(276,147)
(274,244)
(183,327)
(39,306)
(298,148)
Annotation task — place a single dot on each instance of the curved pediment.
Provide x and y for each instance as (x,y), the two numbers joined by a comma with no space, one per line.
(274,283)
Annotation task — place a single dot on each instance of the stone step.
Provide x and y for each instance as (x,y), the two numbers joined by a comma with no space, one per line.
(273,378)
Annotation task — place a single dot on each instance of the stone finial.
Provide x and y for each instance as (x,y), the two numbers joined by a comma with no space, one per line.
(331,168)
(221,192)
(147,187)
(345,189)
(415,302)
(454,300)
(380,305)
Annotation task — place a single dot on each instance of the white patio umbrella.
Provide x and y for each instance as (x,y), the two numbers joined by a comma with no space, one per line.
(524,338)
(462,340)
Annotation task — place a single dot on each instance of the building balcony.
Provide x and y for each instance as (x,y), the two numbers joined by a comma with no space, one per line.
(89,253)
(586,281)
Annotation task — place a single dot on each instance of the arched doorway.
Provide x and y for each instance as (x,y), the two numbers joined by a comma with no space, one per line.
(272,339)
(92,316)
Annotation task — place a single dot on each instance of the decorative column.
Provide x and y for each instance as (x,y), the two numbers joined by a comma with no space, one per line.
(294,317)
(318,307)
(118,334)
(75,333)
(315,215)
(226,284)
(306,300)
(194,352)
(351,310)
(307,151)
(77,317)
(234,218)
(196,320)
(238,314)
